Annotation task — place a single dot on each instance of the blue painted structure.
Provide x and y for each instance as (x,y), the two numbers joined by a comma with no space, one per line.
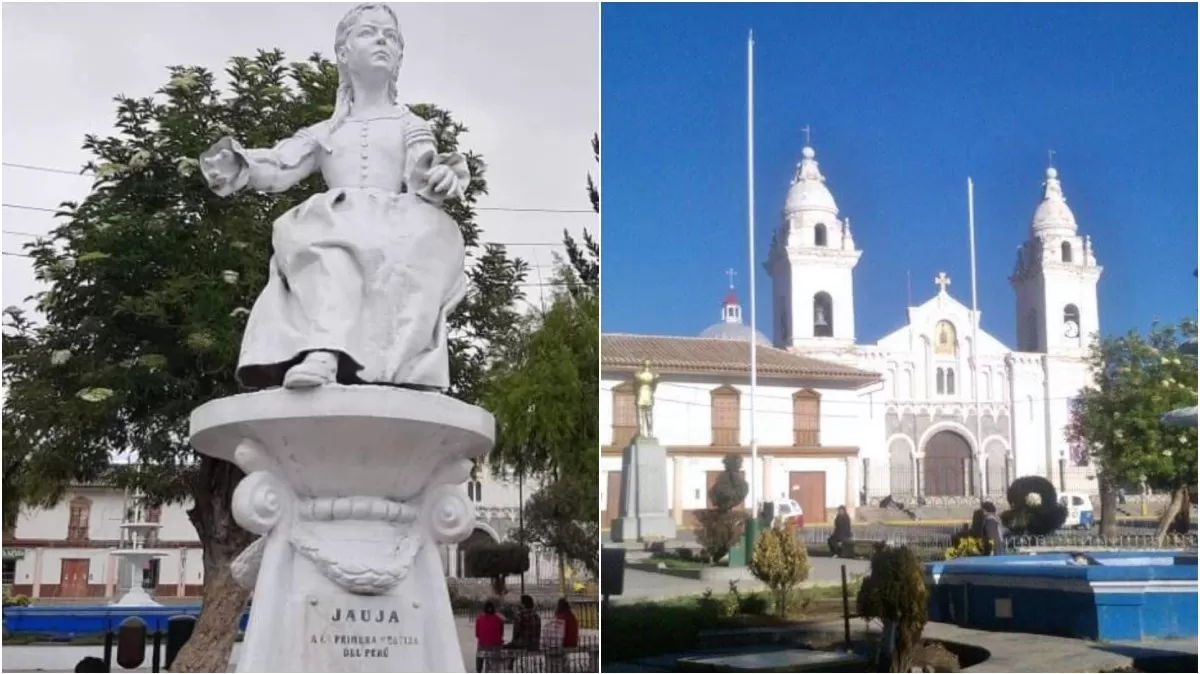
(65,622)
(1118,596)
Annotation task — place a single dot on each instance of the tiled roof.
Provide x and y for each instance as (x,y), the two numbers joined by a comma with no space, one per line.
(692,355)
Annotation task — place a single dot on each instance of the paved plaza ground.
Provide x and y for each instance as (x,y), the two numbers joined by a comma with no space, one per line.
(648,586)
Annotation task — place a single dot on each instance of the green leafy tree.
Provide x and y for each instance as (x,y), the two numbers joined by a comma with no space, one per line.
(544,392)
(721,525)
(895,593)
(1118,420)
(497,561)
(150,278)
(780,560)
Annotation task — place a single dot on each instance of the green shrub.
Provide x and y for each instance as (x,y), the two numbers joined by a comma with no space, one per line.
(895,592)
(15,600)
(755,603)
(721,526)
(967,546)
(781,561)
(496,561)
(1034,509)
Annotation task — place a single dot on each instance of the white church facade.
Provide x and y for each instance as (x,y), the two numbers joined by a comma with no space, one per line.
(938,412)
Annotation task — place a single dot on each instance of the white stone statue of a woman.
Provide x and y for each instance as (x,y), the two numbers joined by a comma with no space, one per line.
(363,275)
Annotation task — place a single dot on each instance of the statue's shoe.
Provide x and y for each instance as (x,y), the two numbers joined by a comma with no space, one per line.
(317,369)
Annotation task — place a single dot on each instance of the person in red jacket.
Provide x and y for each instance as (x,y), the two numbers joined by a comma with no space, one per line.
(489,634)
(570,624)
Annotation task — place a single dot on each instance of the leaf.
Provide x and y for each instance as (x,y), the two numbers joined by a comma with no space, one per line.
(95,395)
(94,256)
(152,361)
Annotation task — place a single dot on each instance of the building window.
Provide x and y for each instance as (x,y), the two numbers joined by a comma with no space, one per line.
(726,416)
(820,236)
(475,490)
(941,381)
(806,418)
(946,339)
(624,415)
(80,515)
(1066,251)
(822,315)
(10,572)
(950,381)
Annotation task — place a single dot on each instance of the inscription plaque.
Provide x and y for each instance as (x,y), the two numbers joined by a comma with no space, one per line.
(361,634)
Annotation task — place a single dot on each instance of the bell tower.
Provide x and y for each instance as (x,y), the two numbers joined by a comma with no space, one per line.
(1055,278)
(811,264)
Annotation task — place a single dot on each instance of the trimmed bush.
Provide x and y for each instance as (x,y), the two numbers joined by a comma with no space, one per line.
(895,592)
(1034,509)
(721,525)
(780,560)
(496,561)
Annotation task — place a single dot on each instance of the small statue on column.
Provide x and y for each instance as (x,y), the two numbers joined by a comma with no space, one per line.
(646,381)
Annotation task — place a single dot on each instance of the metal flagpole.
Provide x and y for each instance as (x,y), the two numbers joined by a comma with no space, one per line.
(754,495)
(975,343)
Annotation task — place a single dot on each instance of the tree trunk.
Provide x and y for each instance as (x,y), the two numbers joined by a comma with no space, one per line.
(1108,505)
(1179,500)
(211,645)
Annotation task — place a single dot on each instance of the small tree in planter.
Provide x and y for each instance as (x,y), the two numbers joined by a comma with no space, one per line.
(496,561)
(895,593)
(1034,509)
(780,561)
(721,525)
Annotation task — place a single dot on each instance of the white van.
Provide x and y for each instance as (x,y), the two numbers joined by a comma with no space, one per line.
(1080,513)
(790,512)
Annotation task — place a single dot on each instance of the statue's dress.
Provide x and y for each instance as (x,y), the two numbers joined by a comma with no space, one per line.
(369,269)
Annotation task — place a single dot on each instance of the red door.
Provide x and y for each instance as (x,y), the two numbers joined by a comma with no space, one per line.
(612,505)
(74,581)
(808,489)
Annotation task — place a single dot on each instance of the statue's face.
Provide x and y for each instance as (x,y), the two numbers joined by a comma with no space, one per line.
(373,44)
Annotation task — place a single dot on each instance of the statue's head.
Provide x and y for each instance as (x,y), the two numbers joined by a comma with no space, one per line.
(646,365)
(369,45)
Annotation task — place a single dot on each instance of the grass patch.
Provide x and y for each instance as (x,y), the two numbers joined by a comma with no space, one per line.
(646,629)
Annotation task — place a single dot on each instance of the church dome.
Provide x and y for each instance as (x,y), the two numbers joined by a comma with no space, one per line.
(735,332)
(808,191)
(731,326)
(1053,217)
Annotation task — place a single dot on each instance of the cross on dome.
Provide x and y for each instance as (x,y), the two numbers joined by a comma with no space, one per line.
(807,135)
(730,273)
(941,280)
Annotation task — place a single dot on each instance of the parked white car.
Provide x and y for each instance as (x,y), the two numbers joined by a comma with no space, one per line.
(1080,513)
(790,512)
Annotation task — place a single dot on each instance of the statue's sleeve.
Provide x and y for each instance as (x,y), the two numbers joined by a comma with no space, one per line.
(421,155)
(275,170)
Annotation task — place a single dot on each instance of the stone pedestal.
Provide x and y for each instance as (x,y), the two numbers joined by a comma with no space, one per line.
(351,489)
(644,505)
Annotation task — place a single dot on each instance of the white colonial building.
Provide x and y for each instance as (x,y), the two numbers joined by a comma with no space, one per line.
(65,552)
(938,411)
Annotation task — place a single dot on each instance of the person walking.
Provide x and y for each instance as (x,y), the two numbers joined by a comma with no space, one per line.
(489,634)
(527,628)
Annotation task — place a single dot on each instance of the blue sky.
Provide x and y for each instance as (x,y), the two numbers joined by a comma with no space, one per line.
(905,102)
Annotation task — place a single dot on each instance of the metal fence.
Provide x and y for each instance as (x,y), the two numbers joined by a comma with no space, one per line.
(583,658)
(1073,542)
(941,537)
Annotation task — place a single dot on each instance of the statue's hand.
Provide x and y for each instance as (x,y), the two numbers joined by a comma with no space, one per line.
(443,181)
(221,167)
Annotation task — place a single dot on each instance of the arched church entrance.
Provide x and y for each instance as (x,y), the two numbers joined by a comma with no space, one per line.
(947,464)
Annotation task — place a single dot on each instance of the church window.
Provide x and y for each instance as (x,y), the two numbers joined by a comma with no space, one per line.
(941,381)
(949,381)
(806,418)
(1066,251)
(822,315)
(946,339)
(79,518)
(820,236)
(726,416)
(624,415)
